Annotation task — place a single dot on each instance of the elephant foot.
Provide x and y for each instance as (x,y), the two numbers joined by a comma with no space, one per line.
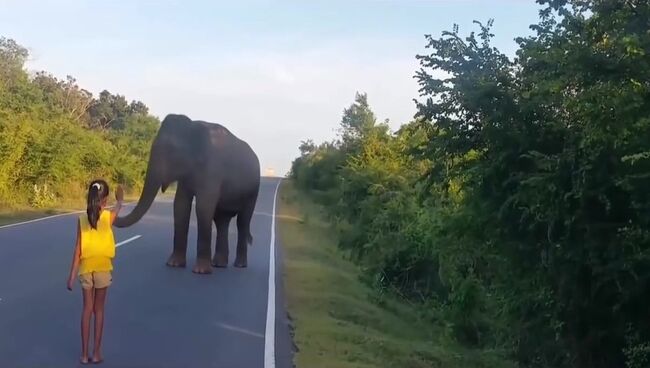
(241,262)
(202,267)
(176,260)
(220,261)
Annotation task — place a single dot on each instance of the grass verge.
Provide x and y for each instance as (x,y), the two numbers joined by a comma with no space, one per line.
(338,320)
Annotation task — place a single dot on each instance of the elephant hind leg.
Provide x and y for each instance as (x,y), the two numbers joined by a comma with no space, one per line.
(244,236)
(222,221)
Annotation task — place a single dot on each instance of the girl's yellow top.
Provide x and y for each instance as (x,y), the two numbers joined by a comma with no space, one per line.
(97,245)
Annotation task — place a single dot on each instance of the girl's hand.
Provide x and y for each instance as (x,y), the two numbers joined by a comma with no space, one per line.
(119,193)
(69,284)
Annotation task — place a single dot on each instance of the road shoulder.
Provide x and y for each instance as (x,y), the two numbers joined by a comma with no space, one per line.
(338,320)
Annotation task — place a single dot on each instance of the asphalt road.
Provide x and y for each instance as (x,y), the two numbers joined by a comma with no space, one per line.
(156,316)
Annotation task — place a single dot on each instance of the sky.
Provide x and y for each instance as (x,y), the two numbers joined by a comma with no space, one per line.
(272,72)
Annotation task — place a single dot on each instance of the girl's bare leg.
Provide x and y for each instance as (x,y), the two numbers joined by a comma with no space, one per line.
(89,299)
(100,299)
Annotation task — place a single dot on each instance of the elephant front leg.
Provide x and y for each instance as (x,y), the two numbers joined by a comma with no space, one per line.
(182,209)
(204,215)
(221,247)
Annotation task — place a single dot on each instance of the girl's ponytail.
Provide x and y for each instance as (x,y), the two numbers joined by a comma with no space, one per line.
(97,191)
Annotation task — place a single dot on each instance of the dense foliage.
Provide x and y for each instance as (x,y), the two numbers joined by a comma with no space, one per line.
(516,205)
(55,137)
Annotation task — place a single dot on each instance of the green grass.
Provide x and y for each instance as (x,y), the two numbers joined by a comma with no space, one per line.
(339,321)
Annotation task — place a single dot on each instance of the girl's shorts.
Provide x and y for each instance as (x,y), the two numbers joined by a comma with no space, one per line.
(97,280)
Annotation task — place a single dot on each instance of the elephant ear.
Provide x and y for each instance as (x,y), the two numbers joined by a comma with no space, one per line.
(198,139)
(187,138)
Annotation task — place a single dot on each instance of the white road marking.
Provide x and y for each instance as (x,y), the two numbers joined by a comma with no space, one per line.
(40,219)
(269,333)
(256,213)
(127,241)
(240,330)
(50,217)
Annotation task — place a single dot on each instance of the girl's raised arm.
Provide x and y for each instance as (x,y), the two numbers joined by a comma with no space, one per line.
(119,197)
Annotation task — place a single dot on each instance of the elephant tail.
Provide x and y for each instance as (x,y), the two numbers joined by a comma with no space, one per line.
(250,239)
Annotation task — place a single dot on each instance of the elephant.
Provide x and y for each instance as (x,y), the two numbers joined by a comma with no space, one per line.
(211,164)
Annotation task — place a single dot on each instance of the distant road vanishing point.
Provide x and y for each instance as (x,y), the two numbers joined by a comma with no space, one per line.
(270,172)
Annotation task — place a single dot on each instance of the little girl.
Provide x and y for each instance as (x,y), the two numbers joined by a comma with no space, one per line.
(93,254)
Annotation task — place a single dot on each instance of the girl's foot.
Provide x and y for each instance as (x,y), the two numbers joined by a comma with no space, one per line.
(97,358)
(83,360)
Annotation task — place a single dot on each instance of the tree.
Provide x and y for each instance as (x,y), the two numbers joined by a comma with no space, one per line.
(16,93)
(558,177)
(108,111)
(357,121)
(65,96)
(529,231)
(12,58)
(307,147)
(111,111)
(47,152)
(138,108)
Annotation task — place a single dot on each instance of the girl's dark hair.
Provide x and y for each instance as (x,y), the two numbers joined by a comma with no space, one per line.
(97,191)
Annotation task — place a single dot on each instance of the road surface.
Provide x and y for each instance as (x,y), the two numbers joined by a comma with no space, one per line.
(156,316)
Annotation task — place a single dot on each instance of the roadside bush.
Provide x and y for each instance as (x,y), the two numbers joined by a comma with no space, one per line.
(516,204)
(55,137)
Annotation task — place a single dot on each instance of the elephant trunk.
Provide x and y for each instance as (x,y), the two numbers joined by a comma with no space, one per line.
(151,185)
